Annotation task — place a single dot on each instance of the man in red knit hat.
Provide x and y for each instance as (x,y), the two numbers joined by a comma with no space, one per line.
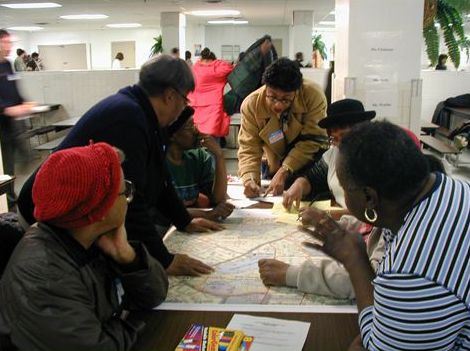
(72,275)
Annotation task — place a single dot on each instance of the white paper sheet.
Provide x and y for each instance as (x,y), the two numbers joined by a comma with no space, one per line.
(40,108)
(271,334)
(242,203)
(269,198)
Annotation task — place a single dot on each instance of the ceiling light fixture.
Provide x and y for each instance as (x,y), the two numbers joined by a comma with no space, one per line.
(123,25)
(209,13)
(84,17)
(327,23)
(33,5)
(26,28)
(315,30)
(227,22)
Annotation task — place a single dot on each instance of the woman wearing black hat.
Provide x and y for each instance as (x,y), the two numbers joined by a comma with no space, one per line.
(326,277)
(341,117)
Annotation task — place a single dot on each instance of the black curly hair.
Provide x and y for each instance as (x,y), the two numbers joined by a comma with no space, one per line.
(205,53)
(3,33)
(283,74)
(382,156)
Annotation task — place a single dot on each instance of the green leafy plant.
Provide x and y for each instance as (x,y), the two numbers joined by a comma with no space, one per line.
(319,45)
(444,13)
(157,47)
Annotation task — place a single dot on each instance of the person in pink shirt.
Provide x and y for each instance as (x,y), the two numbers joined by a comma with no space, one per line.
(207,98)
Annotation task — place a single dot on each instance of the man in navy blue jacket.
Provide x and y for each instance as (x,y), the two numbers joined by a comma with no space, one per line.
(135,120)
(12,106)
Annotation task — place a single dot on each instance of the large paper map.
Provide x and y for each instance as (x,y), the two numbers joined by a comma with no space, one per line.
(234,253)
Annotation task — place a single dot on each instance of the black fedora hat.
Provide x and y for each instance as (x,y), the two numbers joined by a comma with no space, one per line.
(345,112)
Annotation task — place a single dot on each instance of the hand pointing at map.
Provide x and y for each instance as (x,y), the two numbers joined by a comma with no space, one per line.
(184,265)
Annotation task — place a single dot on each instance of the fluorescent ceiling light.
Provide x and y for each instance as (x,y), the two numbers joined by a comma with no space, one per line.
(323,29)
(227,22)
(124,25)
(25,28)
(84,17)
(33,5)
(219,13)
(327,23)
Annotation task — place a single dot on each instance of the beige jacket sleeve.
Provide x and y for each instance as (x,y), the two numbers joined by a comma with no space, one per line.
(328,277)
(250,148)
(315,111)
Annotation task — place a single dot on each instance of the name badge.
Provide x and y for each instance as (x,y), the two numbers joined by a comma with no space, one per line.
(119,290)
(276,136)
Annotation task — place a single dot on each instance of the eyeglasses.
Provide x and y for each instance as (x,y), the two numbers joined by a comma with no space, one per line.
(129,190)
(186,100)
(275,100)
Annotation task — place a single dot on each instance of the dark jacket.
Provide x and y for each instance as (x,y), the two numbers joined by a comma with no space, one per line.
(9,94)
(10,128)
(247,75)
(127,121)
(56,295)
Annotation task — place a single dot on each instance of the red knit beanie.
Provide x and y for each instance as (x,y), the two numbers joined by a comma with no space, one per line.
(76,187)
(413,137)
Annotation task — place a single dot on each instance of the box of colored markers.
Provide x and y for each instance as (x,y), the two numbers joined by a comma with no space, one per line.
(201,338)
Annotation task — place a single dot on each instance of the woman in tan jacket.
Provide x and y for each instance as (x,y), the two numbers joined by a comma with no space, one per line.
(280,119)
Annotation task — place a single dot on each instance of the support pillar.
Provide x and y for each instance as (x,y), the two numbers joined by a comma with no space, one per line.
(173,26)
(301,35)
(378,57)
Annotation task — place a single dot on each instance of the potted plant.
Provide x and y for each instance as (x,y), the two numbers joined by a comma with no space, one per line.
(446,13)
(319,51)
(157,47)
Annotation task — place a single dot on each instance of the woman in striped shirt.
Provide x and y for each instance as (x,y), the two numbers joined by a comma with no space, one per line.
(419,298)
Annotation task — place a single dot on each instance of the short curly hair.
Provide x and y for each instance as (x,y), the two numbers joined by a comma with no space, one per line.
(382,156)
(283,74)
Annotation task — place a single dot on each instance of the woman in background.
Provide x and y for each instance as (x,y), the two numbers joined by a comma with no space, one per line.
(117,61)
(441,62)
(207,99)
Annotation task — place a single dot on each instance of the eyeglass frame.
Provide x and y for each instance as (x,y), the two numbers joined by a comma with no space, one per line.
(275,100)
(185,98)
(129,191)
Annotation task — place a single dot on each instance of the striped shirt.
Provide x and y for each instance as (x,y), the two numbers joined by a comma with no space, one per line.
(421,292)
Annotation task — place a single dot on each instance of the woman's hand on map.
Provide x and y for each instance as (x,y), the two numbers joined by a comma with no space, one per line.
(276,186)
(252,189)
(293,195)
(184,265)
(221,211)
(272,272)
(202,225)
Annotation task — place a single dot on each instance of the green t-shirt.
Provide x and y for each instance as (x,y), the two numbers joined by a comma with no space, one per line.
(195,175)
